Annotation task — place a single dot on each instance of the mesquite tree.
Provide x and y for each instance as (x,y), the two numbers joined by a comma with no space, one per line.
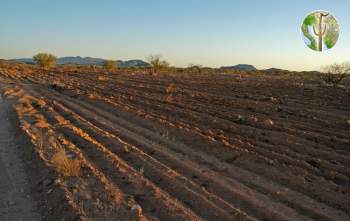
(336,73)
(157,63)
(109,65)
(45,60)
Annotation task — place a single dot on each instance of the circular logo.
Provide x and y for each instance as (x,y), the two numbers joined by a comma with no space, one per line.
(320,30)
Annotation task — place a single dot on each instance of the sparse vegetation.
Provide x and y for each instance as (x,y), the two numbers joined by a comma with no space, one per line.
(119,139)
(194,68)
(65,166)
(41,103)
(41,123)
(334,74)
(109,65)
(45,60)
(157,63)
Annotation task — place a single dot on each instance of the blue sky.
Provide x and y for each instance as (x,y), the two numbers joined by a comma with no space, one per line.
(211,33)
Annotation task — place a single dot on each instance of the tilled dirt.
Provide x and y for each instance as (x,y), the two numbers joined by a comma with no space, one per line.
(27,189)
(192,147)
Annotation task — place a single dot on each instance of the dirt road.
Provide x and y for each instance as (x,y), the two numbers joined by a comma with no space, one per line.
(15,199)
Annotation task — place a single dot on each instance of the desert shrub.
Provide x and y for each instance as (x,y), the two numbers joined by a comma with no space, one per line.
(64,165)
(4,64)
(192,68)
(45,60)
(109,65)
(157,63)
(334,74)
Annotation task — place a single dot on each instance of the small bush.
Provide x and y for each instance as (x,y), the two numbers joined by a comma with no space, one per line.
(157,63)
(192,68)
(109,65)
(45,60)
(65,166)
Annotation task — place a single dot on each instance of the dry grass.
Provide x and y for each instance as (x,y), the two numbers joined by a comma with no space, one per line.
(11,92)
(92,96)
(169,92)
(41,123)
(65,166)
(41,102)
(61,120)
(26,99)
(25,110)
(103,78)
(25,125)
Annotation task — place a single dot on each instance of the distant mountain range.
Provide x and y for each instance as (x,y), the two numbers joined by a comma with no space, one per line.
(132,63)
(137,63)
(88,61)
(248,67)
(240,67)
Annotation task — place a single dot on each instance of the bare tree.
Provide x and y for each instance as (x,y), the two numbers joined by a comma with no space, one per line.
(335,73)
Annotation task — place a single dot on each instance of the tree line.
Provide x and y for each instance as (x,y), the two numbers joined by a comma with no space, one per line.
(46,60)
(333,74)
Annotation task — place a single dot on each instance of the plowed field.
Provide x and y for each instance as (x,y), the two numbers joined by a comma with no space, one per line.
(191,147)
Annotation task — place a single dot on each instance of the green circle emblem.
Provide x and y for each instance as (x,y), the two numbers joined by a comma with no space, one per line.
(320,30)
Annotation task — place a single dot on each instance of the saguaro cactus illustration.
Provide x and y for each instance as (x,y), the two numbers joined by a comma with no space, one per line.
(321,30)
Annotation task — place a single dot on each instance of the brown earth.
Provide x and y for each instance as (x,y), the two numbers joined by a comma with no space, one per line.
(191,147)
